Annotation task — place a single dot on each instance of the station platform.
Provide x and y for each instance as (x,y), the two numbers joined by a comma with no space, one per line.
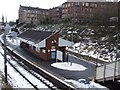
(75,75)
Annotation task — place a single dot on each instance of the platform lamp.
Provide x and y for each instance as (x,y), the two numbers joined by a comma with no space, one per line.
(71,32)
(5,53)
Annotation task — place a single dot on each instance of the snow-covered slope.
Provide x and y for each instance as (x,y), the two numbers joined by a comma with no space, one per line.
(100,42)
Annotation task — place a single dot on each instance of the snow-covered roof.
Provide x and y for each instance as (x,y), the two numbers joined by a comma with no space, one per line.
(41,44)
(27,41)
(63,42)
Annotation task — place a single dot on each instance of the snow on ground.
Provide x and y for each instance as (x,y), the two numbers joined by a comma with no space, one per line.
(82,83)
(0,81)
(43,79)
(14,78)
(34,80)
(92,50)
(1,50)
(17,81)
(14,41)
(69,66)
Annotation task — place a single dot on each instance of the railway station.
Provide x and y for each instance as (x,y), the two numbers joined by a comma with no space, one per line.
(70,45)
(45,45)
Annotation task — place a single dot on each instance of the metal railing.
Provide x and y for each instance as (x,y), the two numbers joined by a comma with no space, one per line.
(109,71)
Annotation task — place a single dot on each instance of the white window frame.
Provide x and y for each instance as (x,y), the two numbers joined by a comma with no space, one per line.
(43,51)
(38,49)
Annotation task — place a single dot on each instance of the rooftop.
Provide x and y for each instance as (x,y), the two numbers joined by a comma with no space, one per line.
(35,36)
(32,8)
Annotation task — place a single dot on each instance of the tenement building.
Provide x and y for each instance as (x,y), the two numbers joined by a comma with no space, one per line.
(81,10)
(32,14)
(55,13)
(86,0)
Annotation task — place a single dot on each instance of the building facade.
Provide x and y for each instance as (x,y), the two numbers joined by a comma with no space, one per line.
(86,0)
(81,10)
(32,14)
(70,10)
(44,45)
(55,13)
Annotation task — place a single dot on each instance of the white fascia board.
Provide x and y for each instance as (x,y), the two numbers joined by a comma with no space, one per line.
(26,41)
(63,42)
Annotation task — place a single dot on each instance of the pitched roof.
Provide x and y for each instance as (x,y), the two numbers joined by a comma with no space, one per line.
(35,36)
(32,8)
(63,42)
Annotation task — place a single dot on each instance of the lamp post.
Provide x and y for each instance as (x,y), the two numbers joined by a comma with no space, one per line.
(5,56)
(97,52)
(71,32)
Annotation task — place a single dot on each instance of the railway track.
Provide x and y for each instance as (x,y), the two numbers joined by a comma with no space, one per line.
(57,82)
(25,77)
(43,80)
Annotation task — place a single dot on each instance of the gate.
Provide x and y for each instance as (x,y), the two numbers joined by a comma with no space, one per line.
(60,55)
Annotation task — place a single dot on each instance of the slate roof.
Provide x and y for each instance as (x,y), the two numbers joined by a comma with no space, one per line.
(32,8)
(35,36)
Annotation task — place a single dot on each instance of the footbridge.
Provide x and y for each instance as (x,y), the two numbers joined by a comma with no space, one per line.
(108,72)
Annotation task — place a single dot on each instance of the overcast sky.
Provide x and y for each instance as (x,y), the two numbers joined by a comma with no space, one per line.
(9,8)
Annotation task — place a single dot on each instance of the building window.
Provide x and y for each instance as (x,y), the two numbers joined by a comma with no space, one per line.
(38,49)
(69,5)
(54,41)
(66,5)
(53,48)
(57,9)
(63,6)
(87,4)
(91,5)
(90,10)
(83,4)
(43,51)
(77,3)
(95,5)
(24,10)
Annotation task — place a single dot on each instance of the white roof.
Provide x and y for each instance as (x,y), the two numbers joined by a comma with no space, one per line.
(27,41)
(41,44)
(63,42)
